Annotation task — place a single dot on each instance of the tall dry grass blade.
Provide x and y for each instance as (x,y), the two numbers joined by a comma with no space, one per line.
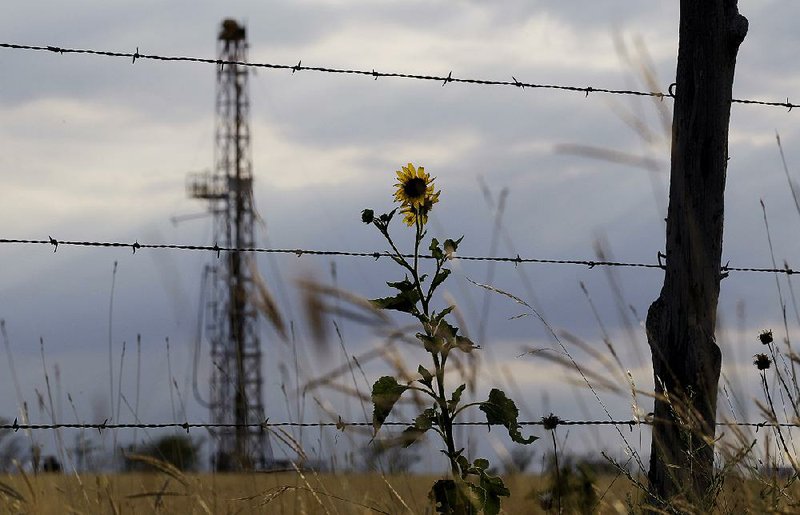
(522,272)
(290,442)
(181,403)
(13,369)
(611,156)
(111,341)
(792,185)
(572,364)
(27,481)
(792,395)
(265,303)
(169,382)
(119,397)
(10,491)
(365,357)
(317,304)
(362,402)
(157,494)
(491,265)
(314,492)
(58,438)
(198,337)
(595,354)
(274,493)
(603,252)
(396,494)
(162,466)
(138,382)
(601,325)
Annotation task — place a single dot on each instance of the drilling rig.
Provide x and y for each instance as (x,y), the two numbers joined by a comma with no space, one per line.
(231,318)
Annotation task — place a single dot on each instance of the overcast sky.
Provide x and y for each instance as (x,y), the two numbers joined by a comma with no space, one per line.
(95,148)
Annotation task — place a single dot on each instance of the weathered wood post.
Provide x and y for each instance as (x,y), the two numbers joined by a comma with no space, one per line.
(681,322)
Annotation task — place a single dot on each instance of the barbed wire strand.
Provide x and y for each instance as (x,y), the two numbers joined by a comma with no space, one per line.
(375,255)
(341,425)
(444,80)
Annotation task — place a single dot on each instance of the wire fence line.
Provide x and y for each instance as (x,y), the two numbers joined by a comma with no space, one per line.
(547,423)
(517,260)
(444,80)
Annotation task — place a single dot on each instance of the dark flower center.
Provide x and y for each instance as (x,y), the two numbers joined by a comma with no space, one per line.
(415,188)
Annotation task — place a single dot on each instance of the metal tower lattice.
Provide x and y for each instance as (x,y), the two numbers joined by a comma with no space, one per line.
(232,319)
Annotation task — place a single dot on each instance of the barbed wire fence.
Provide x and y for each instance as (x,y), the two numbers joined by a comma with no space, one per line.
(443,79)
(517,260)
(341,425)
(547,422)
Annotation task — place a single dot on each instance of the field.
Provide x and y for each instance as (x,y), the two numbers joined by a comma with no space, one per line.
(279,493)
(311,493)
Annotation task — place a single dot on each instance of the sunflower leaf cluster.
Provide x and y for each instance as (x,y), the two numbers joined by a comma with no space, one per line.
(470,488)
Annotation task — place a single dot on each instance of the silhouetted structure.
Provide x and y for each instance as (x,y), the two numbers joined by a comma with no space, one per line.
(230,315)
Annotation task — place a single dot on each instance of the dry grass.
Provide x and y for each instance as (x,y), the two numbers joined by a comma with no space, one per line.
(279,493)
(170,491)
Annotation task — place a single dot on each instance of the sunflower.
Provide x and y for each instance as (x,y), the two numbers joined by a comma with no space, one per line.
(415,193)
(411,213)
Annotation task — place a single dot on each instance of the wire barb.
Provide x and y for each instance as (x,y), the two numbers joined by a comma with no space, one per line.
(447,79)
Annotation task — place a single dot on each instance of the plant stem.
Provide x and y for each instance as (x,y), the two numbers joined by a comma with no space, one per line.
(415,270)
(402,260)
(558,487)
(447,420)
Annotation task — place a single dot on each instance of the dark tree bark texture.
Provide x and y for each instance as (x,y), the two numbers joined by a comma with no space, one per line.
(681,322)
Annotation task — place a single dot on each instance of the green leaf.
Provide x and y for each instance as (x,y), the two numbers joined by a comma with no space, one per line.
(436,252)
(455,398)
(422,424)
(436,317)
(494,488)
(444,496)
(464,344)
(464,465)
(385,393)
(426,419)
(451,246)
(427,377)
(410,435)
(452,497)
(405,301)
(491,487)
(481,464)
(431,343)
(500,410)
(387,217)
(404,286)
(440,277)
(444,330)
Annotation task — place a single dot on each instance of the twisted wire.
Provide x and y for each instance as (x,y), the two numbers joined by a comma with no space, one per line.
(444,80)
(547,422)
(375,254)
